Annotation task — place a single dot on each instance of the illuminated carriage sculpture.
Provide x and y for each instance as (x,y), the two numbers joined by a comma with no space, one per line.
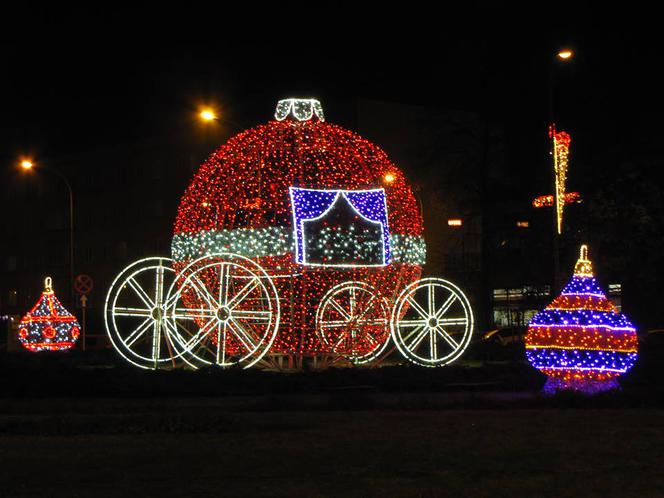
(296,240)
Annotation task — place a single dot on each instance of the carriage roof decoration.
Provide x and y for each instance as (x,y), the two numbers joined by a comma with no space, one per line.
(297,240)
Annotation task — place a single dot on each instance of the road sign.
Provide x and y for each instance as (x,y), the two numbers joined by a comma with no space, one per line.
(83,284)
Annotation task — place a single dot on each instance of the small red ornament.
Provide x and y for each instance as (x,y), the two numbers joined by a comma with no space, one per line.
(48,326)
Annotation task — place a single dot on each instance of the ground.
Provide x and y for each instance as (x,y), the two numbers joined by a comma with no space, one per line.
(84,426)
(307,445)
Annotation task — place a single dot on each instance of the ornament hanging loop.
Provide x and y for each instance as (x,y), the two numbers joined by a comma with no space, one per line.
(583,268)
(48,284)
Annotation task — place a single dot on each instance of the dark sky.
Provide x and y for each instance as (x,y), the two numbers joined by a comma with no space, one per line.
(77,78)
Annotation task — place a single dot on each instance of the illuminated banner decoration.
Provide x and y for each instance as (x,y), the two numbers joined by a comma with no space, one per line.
(561,141)
(549,200)
(340,227)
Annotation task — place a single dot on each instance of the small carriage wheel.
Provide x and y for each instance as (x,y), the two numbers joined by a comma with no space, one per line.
(135,314)
(432,322)
(352,321)
(231,310)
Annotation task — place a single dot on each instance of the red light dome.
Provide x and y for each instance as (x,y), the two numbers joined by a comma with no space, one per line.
(268,189)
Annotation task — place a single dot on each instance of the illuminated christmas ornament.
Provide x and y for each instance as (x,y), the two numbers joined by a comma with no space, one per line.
(560,150)
(48,326)
(580,341)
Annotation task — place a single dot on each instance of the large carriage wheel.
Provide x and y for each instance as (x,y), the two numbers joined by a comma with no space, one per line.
(432,322)
(135,314)
(232,310)
(352,321)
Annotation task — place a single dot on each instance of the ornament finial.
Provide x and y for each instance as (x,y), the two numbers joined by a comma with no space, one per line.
(583,267)
(48,284)
(299,109)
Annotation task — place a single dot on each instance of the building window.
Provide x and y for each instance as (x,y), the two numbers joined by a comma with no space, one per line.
(615,295)
(515,307)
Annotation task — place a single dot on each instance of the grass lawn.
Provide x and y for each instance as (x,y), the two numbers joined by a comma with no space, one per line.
(208,450)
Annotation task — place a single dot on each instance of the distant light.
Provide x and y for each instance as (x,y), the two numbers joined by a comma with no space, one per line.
(565,54)
(26,164)
(455,222)
(208,115)
(205,204)
(523,224)
(389,178)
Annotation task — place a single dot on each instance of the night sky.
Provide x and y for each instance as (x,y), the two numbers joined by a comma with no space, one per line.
(81,79)
(78,79)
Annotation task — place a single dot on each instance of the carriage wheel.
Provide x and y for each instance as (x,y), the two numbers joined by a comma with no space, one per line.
(135,314)
(231,308)
(352,321)
(432,322)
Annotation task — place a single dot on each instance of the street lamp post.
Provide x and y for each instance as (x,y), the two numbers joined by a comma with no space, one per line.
(563,55)
(29,165)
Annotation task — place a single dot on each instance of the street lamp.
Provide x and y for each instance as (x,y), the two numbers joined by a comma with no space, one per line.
(563,55)
(28,164)
(207,115)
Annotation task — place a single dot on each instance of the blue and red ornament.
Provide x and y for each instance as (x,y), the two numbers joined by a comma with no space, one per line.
(580,341)
(48,326)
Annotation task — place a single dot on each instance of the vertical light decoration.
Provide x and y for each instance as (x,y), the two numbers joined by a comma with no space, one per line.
(580,341)
(48,326)
(561,141)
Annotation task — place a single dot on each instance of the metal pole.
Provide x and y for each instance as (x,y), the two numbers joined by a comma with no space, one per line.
(84,305)
(556,248)
(71,245)
(71,228)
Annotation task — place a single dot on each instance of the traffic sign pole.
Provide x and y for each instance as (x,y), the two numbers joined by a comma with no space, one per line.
(83,285)
(84,302)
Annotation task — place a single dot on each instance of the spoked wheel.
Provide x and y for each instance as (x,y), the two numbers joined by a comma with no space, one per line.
(135,314)
(352,321)
(432,322)
(231,311)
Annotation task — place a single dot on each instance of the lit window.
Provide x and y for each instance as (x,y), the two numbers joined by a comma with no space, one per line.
(523,224)
(455,222)
(340,227)
(499,294)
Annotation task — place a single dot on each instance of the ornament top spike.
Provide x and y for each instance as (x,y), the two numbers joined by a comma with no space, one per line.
(48,284)
(299,109)
(583,267)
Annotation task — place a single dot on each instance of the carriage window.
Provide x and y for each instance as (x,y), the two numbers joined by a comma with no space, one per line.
(340,227)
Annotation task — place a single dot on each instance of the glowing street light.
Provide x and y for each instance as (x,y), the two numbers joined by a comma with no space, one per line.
(208,115)
(565,54)
(26,164)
